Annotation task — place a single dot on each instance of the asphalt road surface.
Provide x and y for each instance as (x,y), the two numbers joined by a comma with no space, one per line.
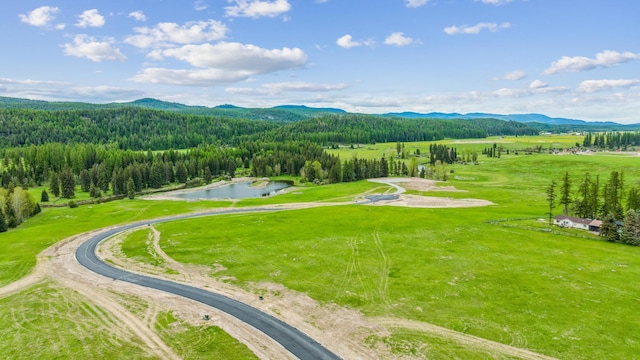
(292,339)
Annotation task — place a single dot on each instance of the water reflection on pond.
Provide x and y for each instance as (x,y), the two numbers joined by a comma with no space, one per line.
(241,190)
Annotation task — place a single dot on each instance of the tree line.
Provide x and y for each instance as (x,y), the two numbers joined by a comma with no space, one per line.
(609,200)
(612,140)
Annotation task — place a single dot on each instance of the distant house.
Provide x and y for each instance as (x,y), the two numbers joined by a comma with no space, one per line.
(595,226)
(572,222)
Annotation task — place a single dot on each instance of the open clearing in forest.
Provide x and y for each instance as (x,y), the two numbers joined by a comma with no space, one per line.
(396,269)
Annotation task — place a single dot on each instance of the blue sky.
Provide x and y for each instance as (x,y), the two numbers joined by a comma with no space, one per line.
(564,58)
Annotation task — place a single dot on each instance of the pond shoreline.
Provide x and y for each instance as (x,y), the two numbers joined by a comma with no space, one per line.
(257,183)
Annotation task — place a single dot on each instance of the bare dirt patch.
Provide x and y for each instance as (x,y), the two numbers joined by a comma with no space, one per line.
(424,185)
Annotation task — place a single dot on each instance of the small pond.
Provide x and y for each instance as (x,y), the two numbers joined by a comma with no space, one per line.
(241,190)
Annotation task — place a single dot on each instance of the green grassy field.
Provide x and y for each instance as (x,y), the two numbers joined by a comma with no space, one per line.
(561,295)
(376,151)
(200,342)
(48,321)
(19,247)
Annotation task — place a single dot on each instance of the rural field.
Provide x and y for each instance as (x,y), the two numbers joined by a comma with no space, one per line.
(391,282)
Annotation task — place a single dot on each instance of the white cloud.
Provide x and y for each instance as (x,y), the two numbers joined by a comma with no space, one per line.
(494,2)
(277,88)
(236,56)
(304,86)
(606,58)
(590,86)
(257,8)
(398,39)
(190,77)
(88,47)
(537,84)
(60,26)
(138,15)
(473,30)
(347,42)
(200,6)
(415,3)
(166,34)
(90,18)
(29,82)
(222,63)
(64,91)
(513,75)
(40,16)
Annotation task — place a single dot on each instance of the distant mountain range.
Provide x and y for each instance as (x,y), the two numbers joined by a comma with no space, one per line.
(523,118)
(289,113)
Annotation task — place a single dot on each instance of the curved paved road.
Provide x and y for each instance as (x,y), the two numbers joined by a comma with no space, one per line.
(298,343)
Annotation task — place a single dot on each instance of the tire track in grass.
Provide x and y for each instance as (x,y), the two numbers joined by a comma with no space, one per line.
(462,338)
(383,287)
(348,274)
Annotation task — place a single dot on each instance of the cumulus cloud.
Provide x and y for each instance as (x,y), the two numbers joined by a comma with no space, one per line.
(494,2)
(166,34)
(236,56)
(537,84)
(257,8)
(476,29)
(84,46)
(415,3)
(606,58)
(398,39)
(90,18)
(138,16)
(40,16)
(347,42)
(513,75)
(222,63)
(590,86)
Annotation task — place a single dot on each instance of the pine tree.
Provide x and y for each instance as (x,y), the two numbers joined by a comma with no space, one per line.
(181,173)
(631,229)
(131,188)
(3,224)
(54,184)
(44,197)
(551,198)
(67,184)
(565,192)
(207,175)
(609,228)
(85,180)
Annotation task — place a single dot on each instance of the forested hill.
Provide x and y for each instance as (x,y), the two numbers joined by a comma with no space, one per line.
(144,129)
(283,113)
(128,128)
(354,129)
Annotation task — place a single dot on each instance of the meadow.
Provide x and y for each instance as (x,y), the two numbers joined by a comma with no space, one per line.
(562,295)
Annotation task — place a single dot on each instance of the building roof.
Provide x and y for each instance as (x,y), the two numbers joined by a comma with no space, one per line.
(596,223)
(573,219)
